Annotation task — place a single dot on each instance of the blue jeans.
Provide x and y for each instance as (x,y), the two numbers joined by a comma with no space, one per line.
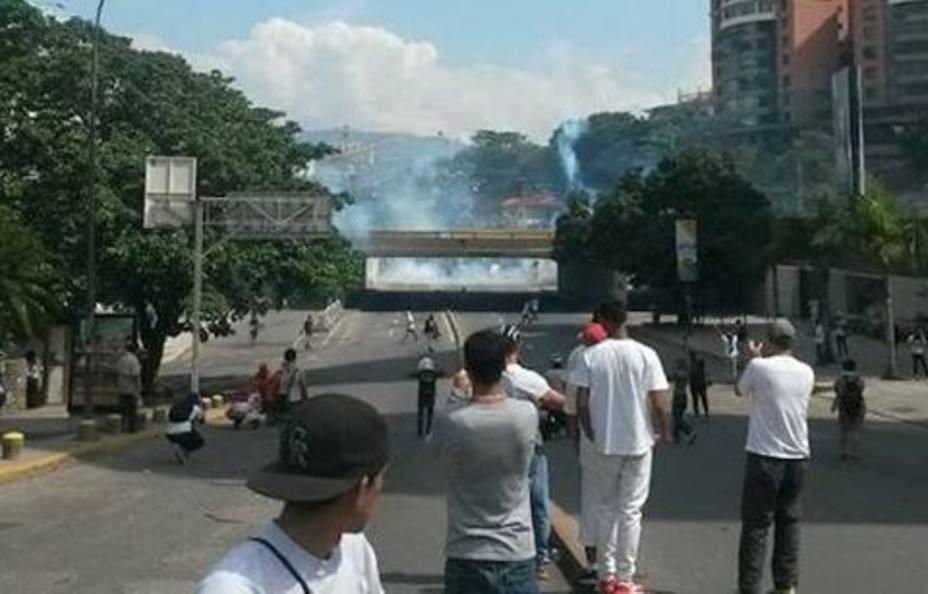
(464,576)
(538,486)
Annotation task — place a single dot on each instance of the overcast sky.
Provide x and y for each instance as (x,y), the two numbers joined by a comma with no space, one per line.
(426,66)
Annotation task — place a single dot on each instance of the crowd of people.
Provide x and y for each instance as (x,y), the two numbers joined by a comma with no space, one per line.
(612,397)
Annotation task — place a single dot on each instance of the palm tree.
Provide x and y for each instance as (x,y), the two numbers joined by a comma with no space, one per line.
(871,233)
(26,303)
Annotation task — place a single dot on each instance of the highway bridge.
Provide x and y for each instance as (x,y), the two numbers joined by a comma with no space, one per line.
(464,243)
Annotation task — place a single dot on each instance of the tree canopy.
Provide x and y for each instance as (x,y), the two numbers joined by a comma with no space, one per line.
(150,103)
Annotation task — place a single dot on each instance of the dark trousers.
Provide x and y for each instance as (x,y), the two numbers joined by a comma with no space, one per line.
(129,409)
(464,576)
(841,347)
(918,362)
(681,426)
(772,495)
(191,441)
(700,394)
(425,412)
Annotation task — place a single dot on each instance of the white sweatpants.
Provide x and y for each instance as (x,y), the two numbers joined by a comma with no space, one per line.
(590,495)
(623,485)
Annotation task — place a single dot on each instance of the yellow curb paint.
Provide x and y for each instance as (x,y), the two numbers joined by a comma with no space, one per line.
(15,470)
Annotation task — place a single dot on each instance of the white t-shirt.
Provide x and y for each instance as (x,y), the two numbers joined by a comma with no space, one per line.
(128,372)
(524,384)
(780,388)
(251,568)
(574,362)
(620,373)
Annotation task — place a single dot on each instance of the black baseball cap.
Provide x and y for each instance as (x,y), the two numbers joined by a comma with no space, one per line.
(329,444)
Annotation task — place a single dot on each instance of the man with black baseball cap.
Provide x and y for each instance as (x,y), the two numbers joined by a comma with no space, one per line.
(329,474)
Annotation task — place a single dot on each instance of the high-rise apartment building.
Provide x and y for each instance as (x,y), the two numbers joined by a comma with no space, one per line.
(772,60)
(907,52)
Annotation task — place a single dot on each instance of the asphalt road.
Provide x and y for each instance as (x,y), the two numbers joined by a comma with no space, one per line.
(135,522)
(865,525)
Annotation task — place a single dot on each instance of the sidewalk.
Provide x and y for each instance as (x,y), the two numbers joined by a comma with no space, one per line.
(51,441)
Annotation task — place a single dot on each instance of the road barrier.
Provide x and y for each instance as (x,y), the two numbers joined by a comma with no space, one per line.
(330,315)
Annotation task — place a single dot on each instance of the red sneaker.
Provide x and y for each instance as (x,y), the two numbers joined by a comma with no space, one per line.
(612,585)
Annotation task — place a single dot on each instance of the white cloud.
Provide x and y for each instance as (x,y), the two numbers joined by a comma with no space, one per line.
(151,43)
(336,73)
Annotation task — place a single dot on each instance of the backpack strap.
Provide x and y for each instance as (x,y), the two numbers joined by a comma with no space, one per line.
(283,561)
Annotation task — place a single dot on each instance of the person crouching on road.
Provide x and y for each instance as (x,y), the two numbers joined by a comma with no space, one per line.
(329,475)
(486,448)
(524,384)
(780,388)
(181,431)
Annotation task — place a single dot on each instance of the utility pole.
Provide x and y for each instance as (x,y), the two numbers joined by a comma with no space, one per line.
(89,339)
(197,293)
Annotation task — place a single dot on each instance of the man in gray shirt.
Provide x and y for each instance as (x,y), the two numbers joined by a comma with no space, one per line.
(486,448)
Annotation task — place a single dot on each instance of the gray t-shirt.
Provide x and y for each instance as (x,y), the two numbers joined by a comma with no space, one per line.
(486,450)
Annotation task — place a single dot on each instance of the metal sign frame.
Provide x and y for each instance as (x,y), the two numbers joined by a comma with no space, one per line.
(170,191)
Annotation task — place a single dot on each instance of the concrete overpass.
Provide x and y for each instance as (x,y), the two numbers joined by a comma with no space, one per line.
(465,243)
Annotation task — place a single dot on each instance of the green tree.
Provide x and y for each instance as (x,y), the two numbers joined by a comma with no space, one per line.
(151,103)
(734,221)
(26,280)
(869,233)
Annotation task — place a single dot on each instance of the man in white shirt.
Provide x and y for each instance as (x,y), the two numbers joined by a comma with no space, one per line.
(621,401)
(591,334)
(524,384)
(780,387)
(329,474)
(129,385)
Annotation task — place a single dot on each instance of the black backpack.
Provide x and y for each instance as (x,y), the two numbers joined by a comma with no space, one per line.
(852,397)
(181,411)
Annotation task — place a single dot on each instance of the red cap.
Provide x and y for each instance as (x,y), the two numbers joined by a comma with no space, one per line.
(592,333)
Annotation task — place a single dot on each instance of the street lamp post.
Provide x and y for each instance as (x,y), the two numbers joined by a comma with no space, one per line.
(89,338)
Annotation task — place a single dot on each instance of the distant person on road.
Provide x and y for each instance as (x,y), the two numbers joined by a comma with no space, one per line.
(308,324)
(292,386)
(821,344)
(919,344)
(851,408)
(732,352)
(254,326)
(841,339)
(682,429)
(699,384)
(622,405)
(329,475)
(129,385)
(524,384)
(780,388)
(411,329)
(181,430)
(428,377)
(35,395)
(430,328)
(486,449)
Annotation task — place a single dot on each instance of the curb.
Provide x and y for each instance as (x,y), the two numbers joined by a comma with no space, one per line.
(564,529)
(13,471)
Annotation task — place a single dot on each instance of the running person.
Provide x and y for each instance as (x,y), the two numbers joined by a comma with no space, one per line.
(411,329)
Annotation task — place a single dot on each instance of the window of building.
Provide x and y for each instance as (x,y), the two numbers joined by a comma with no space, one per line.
(870,73)
(786,59)
(870,52)
(787,81)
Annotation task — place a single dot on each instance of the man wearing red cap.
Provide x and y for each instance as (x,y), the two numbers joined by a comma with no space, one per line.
(590,334)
